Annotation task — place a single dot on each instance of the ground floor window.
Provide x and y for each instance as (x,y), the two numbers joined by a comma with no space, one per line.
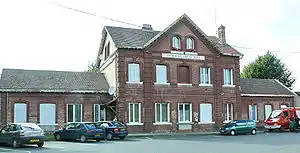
(74,112)
(99,113)
(185,112)
(229,112)
(162,112)
(20,113)
(283,106)
(47,114)
(134,112)
(268,110)
(205,113)
(252,112)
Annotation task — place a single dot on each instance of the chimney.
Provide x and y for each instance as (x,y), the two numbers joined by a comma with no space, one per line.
(147,27)
(221,34)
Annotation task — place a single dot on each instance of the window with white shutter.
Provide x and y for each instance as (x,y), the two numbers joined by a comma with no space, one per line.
(268,110)
(47,114)
(20,113)
(206,113)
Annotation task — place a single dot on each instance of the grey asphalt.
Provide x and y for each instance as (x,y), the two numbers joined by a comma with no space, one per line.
(260,143)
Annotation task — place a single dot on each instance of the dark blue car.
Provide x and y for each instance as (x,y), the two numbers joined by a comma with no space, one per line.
(80,130)
(114,129)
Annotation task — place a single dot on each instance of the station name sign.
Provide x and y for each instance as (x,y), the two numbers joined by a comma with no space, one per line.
(183,55)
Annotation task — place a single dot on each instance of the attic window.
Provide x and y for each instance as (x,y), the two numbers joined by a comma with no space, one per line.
(176,42)
(107,51)
(190,43)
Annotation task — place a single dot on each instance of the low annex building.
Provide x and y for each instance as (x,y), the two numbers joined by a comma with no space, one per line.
(52,98)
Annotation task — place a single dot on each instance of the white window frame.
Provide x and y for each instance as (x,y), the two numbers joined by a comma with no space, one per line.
(15,112)
(190,43)
(191,114)
(55,119)
(99,110)
(131,80)
(157,76)
(211,117)
(73,113)
(225,77)
(256,112)
(227,112)
(267,115)
(168,113)
(202,76)
(133,115)
(283,106)
(178,44)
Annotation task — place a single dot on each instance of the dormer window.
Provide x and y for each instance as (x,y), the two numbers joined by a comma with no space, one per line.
(176,42)
(190,43)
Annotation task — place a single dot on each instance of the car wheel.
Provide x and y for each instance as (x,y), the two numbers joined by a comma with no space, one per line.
(253,131)
(15,144)
(40,144)
(83,138)
(232,132)
(109,136)
(122,138)
(98,140)
(57,137)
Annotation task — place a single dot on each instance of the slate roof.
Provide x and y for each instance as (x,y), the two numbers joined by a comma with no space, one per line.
(18,80)
(264,87)
(130,38)
(298,93)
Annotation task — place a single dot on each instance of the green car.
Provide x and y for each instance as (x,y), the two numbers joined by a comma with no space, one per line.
(239,127)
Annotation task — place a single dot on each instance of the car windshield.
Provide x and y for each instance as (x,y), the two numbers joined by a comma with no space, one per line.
(29,126)
(90,125)
(275,114)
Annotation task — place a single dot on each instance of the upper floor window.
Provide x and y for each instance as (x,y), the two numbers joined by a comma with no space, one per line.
(190,43)
(228,77)
(183,74)
(134,72)
(205,75)
(176,42)
(161,74)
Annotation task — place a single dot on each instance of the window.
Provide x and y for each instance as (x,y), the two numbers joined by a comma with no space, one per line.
(176,42)
(99,113)
(47,114)
(228,78)
(229,112)
(183,74)
(190,43)
(162,112)
(205,113)
(205,75)
(134,113)
(283,106)
(74,113)
(107,51)
(185,112)
(161,74)
(20,113)
(134,72)
(268,110)
(253,112)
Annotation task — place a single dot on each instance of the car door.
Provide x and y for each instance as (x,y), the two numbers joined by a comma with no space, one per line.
(241,126)
(67,132)
(4,134)
(78,130)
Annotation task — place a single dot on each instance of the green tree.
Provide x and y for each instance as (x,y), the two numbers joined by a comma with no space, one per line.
(92,67)
(269,66)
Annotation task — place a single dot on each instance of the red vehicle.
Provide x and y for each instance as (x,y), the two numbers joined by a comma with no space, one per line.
(280,119)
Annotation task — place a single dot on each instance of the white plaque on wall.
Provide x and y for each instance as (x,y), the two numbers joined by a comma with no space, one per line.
(183,56)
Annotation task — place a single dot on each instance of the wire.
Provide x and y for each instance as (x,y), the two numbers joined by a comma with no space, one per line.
(77,10)
(271,50)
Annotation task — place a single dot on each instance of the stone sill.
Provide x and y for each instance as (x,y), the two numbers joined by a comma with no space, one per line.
(185,123)
(48,124)
(134,82)
(205,85)
(135,124)
(162,123)
(206,123)
(185,84)
(229,86)
(161,84)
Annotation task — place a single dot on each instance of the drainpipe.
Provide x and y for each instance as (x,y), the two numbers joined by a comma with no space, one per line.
(6,107)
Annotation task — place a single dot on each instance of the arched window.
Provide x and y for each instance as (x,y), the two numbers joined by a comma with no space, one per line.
(190,43)
(176,42)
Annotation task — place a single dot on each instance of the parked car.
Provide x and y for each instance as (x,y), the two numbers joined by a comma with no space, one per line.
(114,129)
(83,131)
(18,134)
(239,127)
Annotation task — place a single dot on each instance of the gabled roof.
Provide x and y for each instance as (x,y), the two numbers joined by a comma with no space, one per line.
(18,80)
(264,87)
(129,38)
(298,93)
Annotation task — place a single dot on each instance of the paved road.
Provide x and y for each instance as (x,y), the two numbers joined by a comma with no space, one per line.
(260,143)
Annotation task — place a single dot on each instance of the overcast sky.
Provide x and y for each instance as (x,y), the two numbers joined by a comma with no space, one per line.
(35,34)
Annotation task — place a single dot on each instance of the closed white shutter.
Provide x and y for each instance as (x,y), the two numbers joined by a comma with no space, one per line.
(47,114)
(205,113)
(268,110)
(20,113)
(250,112)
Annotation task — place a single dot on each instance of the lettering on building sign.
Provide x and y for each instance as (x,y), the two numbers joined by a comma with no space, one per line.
(183,55)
